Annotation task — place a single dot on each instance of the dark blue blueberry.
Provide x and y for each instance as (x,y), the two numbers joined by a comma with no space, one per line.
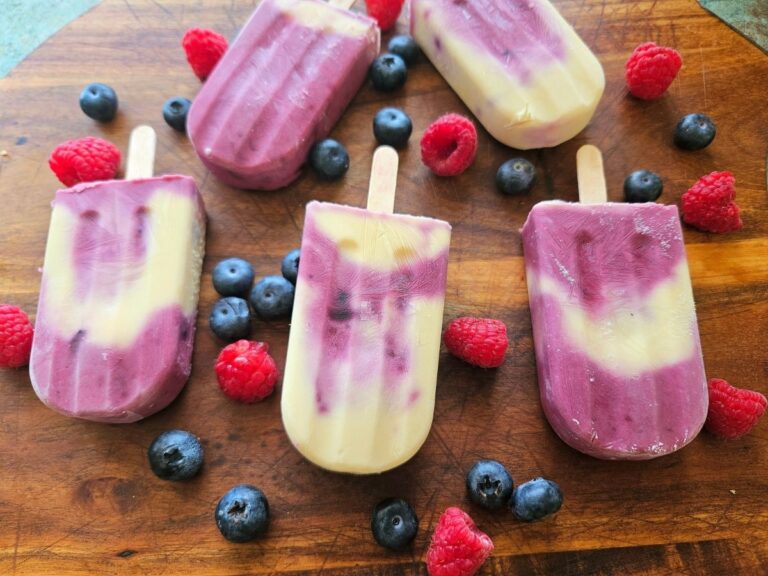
(175,112)
(405,47)
(536,499)
(388,72)
(233,277)
(489,484)
(272,297)
(290,265)
(329,159)
(230,319)
(392,126)
(394,523)
(340,310)
(642,186)
(694,132)
(99,102)
(175,455)
(242,513)
(516,176)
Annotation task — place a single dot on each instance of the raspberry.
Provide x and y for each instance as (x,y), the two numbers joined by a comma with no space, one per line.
(204,48)
(385,12)
(651,69)
(458,547)
(15,337)
(449,145)
(84,160)
(479,341)
(709,204)
(245,371)
(732,411)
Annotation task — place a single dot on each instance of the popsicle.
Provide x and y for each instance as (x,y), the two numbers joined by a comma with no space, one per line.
(361,369)
(118,297)
(616,338)
(517,64)
(282,86)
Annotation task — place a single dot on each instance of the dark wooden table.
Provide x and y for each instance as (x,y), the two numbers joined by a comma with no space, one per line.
(78,497)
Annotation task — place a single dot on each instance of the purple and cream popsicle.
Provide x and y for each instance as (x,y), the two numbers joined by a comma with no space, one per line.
(281,86)
(519,67)
(361,370)
(619,361)
(118,297)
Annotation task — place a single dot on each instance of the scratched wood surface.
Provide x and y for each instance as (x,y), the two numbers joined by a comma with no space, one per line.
(78,497)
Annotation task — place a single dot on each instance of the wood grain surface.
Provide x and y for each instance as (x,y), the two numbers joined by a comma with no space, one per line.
(79,498)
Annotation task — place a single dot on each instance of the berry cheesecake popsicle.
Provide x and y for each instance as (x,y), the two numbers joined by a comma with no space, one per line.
(619,361)
(361,370)
(118,297)
(517,64)
(282,86)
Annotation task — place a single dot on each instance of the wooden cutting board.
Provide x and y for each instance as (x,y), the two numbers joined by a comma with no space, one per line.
(78,497)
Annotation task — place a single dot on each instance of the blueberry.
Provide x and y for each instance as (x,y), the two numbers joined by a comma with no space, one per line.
(272,297)
(489,484)
(405,47)
(233,277)
(329,159)
(516,176)
(392,126)
(175,112)
(242,513)
(694,132)
(394,523)
(642,186)
(99,102)
(290,266)
(388,72)
(230,319)
(536,499)
(175,455)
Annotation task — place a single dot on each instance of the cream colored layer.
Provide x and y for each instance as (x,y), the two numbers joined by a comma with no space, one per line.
(652,334)
(319,15)
(370,427)
(553,107)
(169,273)
(378,243)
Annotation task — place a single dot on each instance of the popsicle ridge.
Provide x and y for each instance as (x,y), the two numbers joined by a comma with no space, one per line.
(118,298)
(520,68)
(615,327)
(369,335)
(282,85)
(251,127)
(534,36)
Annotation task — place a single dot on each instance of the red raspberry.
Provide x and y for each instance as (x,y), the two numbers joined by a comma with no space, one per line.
(449,145)
(84,160)
(204,48)
(651,69)
(458,547)
(15,337)
(732,411)
(245,371)
(385,12)
(709,204)
(479,341)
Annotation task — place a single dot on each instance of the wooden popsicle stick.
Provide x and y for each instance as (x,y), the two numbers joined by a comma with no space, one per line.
(589,173)
(141,153)
(345,4)
(381,189)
